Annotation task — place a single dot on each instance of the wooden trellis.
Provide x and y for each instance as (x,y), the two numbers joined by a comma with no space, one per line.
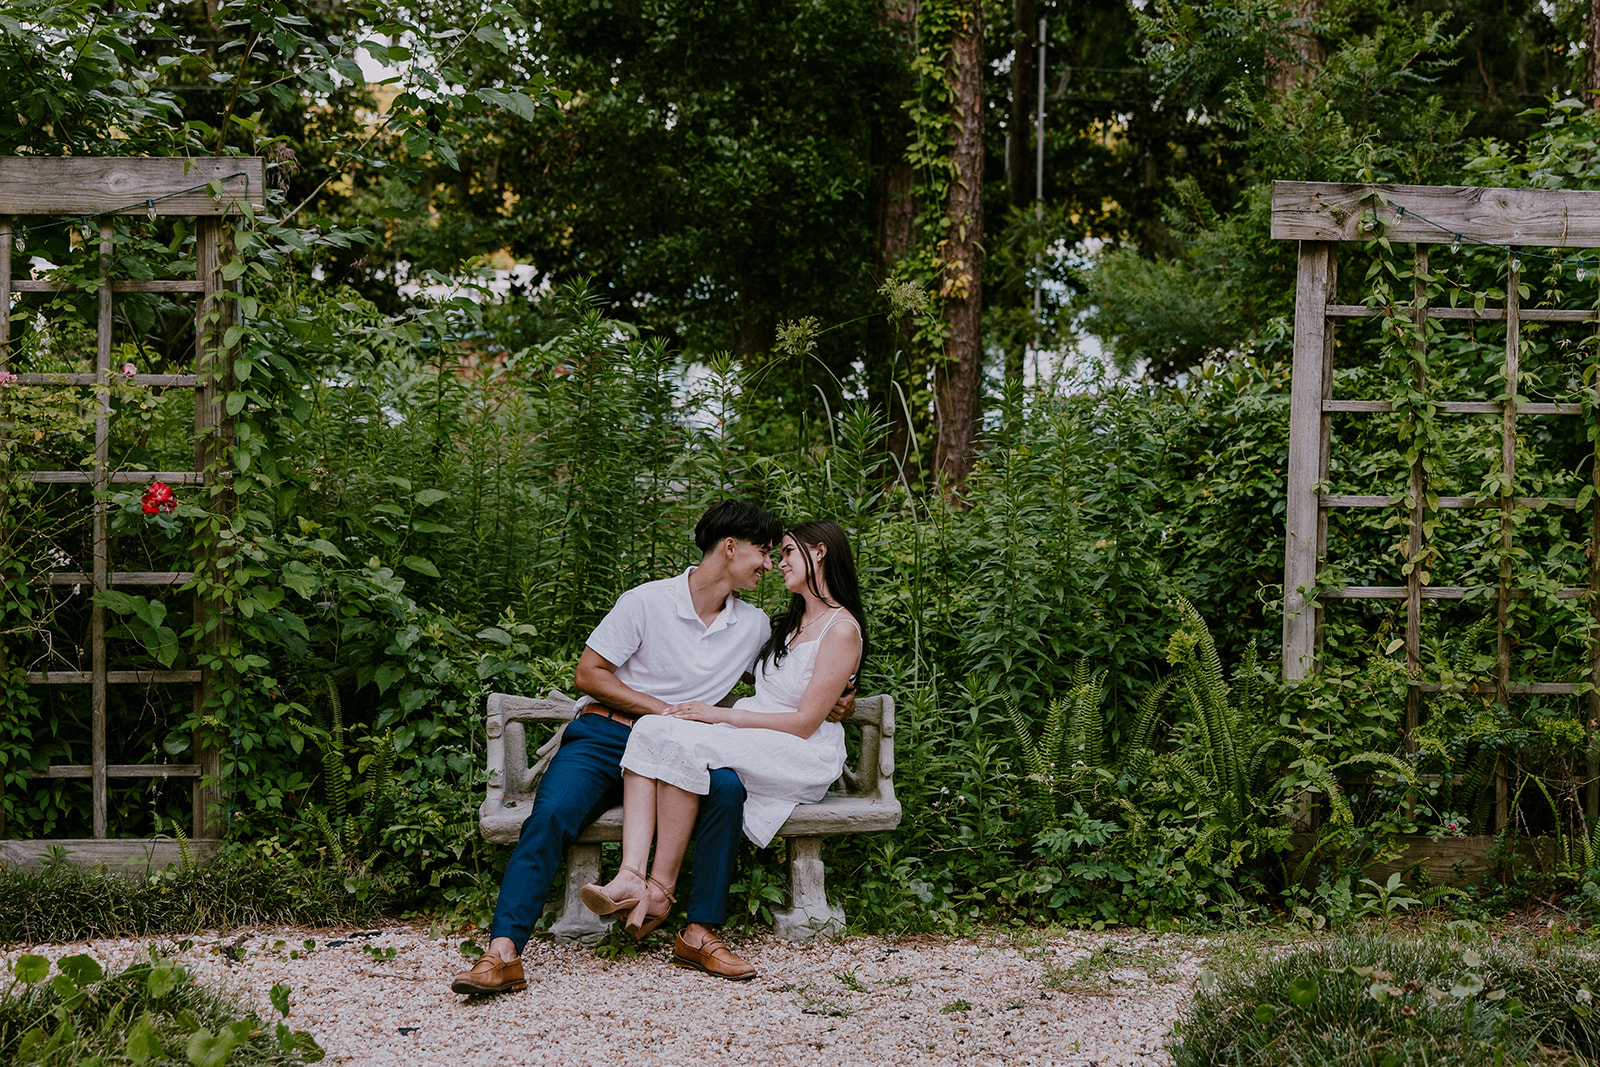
(1321,216)
(78,188)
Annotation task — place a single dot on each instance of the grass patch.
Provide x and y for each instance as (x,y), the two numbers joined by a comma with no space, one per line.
(245,888)
(1385,1001)
(1094,971)
(152,1012)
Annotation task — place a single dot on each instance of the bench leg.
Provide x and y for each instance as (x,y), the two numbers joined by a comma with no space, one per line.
(576,922)
(809,915)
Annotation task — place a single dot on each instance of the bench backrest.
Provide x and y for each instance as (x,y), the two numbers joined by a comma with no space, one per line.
(509,774)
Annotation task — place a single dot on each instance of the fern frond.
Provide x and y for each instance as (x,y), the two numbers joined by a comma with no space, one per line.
(1031,758)
(333,755)
(1244,682)
(1400,767)
(1053,740)
(1088,723)
(1339,814)
(1200,788)
(319,819)
(1212,695)
(1200,851)
(380,785)
(1139,751)
(1138,823)
(186,862)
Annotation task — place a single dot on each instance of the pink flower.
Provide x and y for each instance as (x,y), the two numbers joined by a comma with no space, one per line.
(158,498)
(129,370)
(7,379)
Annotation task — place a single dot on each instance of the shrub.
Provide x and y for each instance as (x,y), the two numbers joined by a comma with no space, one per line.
(151,1011)
(1392,1000)
(246,886)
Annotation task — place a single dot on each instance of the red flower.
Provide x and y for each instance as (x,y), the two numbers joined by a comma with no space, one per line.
(158,498)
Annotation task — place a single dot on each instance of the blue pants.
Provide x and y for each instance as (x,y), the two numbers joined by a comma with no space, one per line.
(582,781)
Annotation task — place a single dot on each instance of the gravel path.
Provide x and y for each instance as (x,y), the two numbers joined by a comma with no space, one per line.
(1071,998)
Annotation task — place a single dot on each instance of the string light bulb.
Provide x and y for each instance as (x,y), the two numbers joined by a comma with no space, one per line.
(1455,246)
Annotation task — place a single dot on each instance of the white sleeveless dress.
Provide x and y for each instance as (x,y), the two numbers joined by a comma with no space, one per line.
(779,770)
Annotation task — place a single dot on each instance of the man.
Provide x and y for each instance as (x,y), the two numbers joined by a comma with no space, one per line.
(683,638)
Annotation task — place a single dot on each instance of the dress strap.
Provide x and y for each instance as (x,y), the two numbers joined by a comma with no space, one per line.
(829,624)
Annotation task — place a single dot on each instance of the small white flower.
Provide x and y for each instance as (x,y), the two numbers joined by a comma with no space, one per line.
(129,370)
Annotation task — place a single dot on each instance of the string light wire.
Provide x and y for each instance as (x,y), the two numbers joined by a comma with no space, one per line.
(149,204)
(1583,263)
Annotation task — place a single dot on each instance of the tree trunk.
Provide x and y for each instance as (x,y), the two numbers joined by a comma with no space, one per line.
(1024,69)
(1309,51)
(894,231)
(958,380)
(1020,181)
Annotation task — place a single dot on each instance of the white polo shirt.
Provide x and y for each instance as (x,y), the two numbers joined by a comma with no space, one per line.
(661,647)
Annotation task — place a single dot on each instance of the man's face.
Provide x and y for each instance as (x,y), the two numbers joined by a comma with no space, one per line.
(750,563)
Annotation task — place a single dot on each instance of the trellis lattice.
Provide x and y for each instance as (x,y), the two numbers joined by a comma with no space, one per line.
(1517,223)
(37,194)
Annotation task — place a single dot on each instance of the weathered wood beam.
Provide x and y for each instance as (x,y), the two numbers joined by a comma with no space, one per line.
(157,285)
(93,185)
(1459,407)
(1361,311)
(1333,211)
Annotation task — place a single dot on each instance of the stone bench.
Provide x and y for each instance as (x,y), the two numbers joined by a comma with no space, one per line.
(862,800)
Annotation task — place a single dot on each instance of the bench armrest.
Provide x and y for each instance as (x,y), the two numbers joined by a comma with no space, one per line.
(507,750)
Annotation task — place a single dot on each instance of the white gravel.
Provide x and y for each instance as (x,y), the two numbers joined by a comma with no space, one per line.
(860,1000)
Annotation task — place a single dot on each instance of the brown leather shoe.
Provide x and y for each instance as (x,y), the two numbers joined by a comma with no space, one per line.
(490,974)
(713,957)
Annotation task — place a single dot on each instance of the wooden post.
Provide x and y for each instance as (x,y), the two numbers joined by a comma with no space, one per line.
(1305,428)
(213,439)
(1591,800)
(1417,487)
(5,359)
(1508,472)
(5,291)
(100,484)
(1325,454)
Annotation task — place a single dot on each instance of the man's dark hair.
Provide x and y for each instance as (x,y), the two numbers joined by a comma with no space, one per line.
(738,519)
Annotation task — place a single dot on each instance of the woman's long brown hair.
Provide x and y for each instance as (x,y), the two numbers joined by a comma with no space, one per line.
(839,574)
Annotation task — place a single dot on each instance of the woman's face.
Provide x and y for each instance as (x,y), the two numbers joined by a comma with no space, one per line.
(792,564)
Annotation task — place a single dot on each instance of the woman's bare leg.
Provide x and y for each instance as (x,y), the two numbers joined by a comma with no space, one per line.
(638,830)
(675,811)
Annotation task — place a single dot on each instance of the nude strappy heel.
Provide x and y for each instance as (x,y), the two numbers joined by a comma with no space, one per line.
(642,921)
(597,900)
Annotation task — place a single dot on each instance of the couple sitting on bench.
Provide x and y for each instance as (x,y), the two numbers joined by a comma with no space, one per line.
(648,728)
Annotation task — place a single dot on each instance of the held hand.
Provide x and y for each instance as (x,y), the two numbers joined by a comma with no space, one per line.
(697,711)
(844,707)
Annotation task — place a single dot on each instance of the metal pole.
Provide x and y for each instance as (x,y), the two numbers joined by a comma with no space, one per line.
(1038,164)
(1038,196)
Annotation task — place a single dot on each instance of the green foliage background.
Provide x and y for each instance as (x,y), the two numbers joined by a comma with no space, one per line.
(441,483)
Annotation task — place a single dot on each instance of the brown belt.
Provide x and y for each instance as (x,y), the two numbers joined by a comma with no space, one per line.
(614,716)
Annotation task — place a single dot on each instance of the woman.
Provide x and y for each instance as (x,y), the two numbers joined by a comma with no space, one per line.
(778,741)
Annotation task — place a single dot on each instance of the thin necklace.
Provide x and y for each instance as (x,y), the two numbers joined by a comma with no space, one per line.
(805,623)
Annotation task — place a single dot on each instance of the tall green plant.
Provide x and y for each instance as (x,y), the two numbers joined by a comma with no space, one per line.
(1231,755)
